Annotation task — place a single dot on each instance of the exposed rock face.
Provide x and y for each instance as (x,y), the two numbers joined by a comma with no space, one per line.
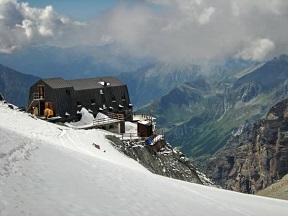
(248,91)
(277,190)
(169,162)
(257,157)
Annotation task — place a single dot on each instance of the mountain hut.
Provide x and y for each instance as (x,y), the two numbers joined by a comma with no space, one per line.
(65,98)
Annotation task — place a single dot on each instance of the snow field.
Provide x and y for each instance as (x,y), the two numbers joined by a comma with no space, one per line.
(46,169)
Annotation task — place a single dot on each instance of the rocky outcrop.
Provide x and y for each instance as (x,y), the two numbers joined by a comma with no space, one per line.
(278,190)
(256,158)
(168,162)
(248,91)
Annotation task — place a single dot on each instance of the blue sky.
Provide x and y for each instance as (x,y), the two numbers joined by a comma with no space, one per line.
(76,9)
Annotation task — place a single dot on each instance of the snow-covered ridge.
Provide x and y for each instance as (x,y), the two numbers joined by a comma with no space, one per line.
(75,140)
(46,169)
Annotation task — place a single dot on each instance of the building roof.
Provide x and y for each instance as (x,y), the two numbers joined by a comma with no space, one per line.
(57,83)
(83,84)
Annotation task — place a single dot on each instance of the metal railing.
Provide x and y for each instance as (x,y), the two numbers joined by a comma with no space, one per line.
(37,96)
(112,118)
(103,121)
(117,116)
(130,136)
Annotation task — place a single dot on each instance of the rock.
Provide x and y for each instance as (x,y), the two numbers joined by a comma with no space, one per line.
(256,158)
(169,162)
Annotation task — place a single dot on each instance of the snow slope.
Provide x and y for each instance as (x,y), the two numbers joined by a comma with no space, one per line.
(46,169)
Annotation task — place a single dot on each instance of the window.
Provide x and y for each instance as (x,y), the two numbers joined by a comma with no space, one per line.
(93,101)
(67,91)
(79,104)
(113,99)
(41,91)
(123,98)
(103,99)
(101,91)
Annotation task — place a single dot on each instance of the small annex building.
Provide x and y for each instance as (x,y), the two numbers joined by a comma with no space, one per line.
(65,98)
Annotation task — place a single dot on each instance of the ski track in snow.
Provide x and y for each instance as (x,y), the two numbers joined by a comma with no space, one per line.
(47,169)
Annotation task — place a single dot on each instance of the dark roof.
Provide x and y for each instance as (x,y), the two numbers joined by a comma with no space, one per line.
(82,84)
(57,83)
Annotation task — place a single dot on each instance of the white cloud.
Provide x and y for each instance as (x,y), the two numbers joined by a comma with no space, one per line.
(205,16)
(27,26)
(178,30)
(43,30)
(21,25)
(257,50)
(107,39)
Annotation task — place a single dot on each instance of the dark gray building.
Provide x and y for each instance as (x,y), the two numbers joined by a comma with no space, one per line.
(65,98)
(1,96)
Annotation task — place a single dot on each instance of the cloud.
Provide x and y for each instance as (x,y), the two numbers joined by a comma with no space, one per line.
(257,50)
(166,30)
(205,16)
(22,25)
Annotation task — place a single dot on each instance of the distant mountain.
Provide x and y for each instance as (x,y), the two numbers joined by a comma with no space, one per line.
(200,116)
(15,85)
(151,82)
(72,62)
(181,103)
(269,76)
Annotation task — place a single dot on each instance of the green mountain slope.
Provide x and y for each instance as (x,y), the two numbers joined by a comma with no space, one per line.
(201,119)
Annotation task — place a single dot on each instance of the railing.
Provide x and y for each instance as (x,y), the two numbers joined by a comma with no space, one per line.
(104,121)
(117,116)
(130,136)
(158,138)
(37,96)
(112,118)
(135,136)
(35,100)
(142,116)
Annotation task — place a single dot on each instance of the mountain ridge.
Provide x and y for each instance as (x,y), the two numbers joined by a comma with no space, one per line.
(255,157)
(15,86)
(223,109)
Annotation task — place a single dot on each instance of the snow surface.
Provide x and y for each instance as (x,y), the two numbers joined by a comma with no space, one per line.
(87,120)
(47,169)
(130,127)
